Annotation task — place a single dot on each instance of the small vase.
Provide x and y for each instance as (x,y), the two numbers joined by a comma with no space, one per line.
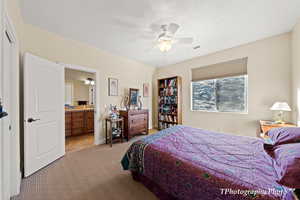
(140,103)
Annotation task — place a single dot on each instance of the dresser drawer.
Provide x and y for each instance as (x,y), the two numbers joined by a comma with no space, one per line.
(138,129)
(68,120)
(68,117)
(78,124)
(68,125)
(68,132)
(138,119)
(77,115)
(90,114)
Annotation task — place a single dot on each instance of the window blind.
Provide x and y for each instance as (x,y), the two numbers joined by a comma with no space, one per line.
(225,69)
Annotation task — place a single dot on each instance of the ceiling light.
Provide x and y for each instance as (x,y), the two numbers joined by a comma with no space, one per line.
(87,82)
(165,45)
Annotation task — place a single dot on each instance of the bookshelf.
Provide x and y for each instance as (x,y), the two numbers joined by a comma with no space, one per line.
(169,102)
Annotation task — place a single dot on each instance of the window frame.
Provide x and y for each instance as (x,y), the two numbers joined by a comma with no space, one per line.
(229,112)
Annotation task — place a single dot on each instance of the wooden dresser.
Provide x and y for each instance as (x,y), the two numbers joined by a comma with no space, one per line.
(135,122)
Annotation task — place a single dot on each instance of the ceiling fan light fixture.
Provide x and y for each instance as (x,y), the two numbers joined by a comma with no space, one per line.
(165,45)
(87,82)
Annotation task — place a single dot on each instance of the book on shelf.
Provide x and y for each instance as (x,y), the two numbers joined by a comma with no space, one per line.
(168,83)
(164,125)
(169,102)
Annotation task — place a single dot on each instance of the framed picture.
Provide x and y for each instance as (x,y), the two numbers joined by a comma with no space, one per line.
(146,89)
(112,87)
(133,96)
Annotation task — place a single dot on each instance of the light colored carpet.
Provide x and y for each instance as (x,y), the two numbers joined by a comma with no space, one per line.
(94,173)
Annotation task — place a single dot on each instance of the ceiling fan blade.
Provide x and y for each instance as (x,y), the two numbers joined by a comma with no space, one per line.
(173,28)
(187,40)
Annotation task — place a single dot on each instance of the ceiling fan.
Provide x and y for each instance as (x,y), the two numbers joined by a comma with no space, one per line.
(167,37)
(163,35)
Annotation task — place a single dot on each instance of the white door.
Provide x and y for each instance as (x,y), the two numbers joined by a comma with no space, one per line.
(44,125)
(5,121)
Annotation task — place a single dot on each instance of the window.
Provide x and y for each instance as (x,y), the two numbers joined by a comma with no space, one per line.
(228,94)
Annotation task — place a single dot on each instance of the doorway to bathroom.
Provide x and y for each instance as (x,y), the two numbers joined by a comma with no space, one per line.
(80,101)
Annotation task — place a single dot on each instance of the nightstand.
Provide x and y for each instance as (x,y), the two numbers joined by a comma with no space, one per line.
(115,131)
(266,125)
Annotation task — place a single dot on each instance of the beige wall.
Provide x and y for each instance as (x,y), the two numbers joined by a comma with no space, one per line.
(56,48)
(269,81)
(296,72)
(130,74)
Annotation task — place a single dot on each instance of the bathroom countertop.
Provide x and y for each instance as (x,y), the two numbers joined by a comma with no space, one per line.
(78,109)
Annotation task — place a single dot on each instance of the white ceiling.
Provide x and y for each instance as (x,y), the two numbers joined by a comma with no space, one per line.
(126,27)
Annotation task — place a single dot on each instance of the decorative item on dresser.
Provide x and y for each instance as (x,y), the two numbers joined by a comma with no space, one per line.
(169,102)
(133,97)
(266,125)
(140,103)
(125,102)
(135,122)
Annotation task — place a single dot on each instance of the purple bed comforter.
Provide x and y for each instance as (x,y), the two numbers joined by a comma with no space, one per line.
(188,163)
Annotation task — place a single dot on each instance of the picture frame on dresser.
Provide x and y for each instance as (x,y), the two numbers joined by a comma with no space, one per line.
(133,96)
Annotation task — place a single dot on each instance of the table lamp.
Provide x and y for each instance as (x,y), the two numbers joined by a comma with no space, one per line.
(281,107)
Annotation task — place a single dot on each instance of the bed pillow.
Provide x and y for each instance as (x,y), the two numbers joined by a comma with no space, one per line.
(278,136)
(284,135)
(287,164)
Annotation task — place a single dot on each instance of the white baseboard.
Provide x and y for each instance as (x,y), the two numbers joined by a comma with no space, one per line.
(100,141)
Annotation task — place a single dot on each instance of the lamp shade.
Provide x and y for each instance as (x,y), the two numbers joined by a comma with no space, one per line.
(281,106)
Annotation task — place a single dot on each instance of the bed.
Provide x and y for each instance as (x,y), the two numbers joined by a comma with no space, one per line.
(188,163)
